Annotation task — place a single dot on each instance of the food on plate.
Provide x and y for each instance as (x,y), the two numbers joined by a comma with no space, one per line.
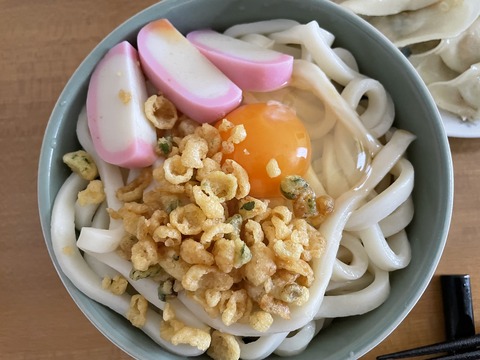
(440,20)
(248,233)
(441,39)
(380,7)
(460,95)
(450,70)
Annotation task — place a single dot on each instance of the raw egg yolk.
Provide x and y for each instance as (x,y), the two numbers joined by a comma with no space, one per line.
(273,132)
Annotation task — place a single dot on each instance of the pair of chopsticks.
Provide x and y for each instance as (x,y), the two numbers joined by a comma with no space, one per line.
(463,343)
(461,349)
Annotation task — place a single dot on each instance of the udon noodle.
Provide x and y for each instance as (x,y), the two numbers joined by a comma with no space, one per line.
(358,159)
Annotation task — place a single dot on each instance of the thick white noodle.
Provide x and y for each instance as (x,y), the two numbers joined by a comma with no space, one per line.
(82,276)
(318,44)
(379,115)
(388,255)
(181,312)
(147,287)
(388,200)
(333,226)
(184,314)
(84,214)
(99,267)
(132,174)
(314,182)
(260,27)
(327,123)
(237,329)
(359,302)
(347,57)
(294,345)
(101,219)
(358,264)
(259,40)
(345,287)
(99,240)
(262,347)
(399,219)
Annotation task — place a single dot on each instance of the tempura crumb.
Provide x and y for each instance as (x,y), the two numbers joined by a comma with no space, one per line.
(168,312)
(117,285)
(160,112)
(137,313)
(81,163)
(93,194)
(201,227)
(177,332)
(238,134)
(273,170)
(193,337)
(260,320)
(224,347)
(225,125)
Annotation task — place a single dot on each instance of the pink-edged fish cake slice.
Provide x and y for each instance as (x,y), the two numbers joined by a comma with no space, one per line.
(250,66)
(121,133)
(185,76)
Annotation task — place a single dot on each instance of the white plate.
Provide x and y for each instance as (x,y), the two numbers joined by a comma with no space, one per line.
(455,127)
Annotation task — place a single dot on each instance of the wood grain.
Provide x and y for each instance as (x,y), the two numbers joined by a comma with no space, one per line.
(43,42)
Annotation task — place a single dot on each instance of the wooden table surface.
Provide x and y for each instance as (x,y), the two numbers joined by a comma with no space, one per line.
(42,44)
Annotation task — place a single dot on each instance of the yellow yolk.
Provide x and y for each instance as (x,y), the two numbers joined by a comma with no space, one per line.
(273,132)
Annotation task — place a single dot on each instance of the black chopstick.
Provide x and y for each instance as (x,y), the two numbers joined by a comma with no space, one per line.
(469,343)
(471,355)
(457,306)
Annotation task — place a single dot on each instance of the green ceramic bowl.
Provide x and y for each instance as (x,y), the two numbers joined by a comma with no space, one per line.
(348,338)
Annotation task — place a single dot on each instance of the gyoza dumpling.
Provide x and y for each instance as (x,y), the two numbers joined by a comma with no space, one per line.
(461,95)
(444,19)
(431,67)
(460,52)
(381,7)
(449,58)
